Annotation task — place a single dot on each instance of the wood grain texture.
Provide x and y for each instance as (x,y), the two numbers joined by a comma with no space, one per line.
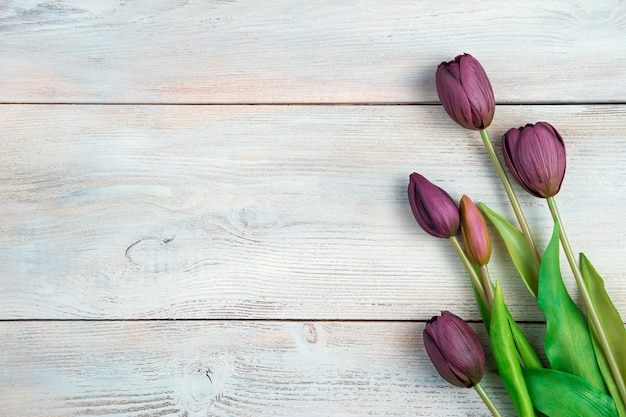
(163,51)
(278,237)
(272,212)
(231,368)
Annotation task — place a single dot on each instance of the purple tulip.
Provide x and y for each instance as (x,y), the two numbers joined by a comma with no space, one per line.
(455,350)
(465,92)
(535,155)
(476,240)
(434,210)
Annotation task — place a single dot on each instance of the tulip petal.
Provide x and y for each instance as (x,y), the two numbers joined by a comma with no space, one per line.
(478,91)
(535,155)
(553,154)
(476,240)
(465,92)
(454,98)
(509,148)
(434,210)
(439,361)
(464,352)
(454,350)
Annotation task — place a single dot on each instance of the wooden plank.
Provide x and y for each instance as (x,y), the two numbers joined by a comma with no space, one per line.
(160,51)
(279,212)
(229,368)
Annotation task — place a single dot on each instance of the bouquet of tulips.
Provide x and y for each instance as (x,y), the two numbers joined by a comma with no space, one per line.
(585,350)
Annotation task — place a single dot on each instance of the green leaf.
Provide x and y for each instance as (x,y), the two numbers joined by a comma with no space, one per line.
(608,377)
(505,354)
(483,308)
(527,353)
(524,348)
(521,254)
(568,343)
(559,394)
(612,329)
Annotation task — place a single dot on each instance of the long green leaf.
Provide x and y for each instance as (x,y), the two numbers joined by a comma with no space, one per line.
(525,350)
(612,326)
(521,254)
(608,377)
(559,394)
(505,354)
(568,343)
(483,308)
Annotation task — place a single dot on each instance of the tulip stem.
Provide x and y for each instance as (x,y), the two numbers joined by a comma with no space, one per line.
(591,309)
(517,208)
(487,285)
(569,253)
(470,269)
(490,405)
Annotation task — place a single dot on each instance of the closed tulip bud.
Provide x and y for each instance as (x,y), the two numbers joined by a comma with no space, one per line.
(435,211)
(535,155)
(476,240)
(455,350)
(465,92)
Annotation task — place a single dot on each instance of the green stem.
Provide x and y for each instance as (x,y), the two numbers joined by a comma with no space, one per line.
(591,309)
(487,284)
(517,208)
(470,269)
(566,245)
(526,351)
(490,405)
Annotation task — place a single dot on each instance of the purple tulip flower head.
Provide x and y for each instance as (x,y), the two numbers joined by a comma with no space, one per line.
(535,155)
(476,240)
(435,211)
(455,350)
(465,92)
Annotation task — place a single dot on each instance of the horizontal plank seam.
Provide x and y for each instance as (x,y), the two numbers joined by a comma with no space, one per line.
(297,320)
(408,103)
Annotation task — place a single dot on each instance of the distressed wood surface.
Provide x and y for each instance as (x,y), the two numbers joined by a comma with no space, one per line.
(230,368)
(272,212)
(164,51)
(164,252)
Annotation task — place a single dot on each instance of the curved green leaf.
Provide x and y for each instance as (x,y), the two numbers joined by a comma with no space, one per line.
(483,308)
(525,350)
(613,328)
(505,354)
(608,377)
(559,394)
(568,343)
(521,254)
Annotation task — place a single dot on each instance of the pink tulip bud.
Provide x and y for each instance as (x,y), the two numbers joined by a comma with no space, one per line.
(465,92)
(476,240)
(535,155)
(455,350)
(435,211)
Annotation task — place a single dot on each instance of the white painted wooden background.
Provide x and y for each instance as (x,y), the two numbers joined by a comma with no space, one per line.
(203,203)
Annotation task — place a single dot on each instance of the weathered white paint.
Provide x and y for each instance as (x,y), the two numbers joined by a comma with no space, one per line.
(290,213)
(272,212)
(164,51)
(230,368)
